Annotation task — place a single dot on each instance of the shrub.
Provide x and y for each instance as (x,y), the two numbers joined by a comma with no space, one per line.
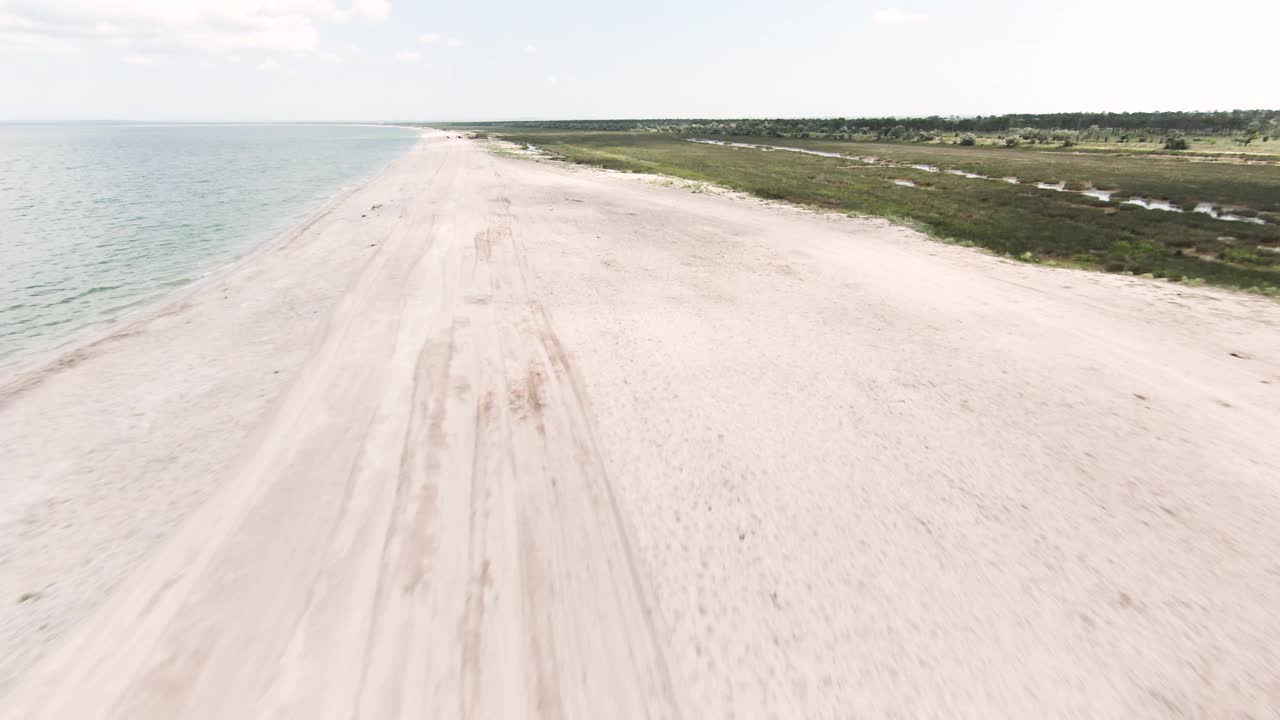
(1030,135)
(1241,256)
(1136,256)
(968,140)
(1013,141)
(1176,141)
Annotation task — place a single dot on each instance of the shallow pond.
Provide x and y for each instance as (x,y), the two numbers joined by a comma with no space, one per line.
(1214,212)
(1151,204)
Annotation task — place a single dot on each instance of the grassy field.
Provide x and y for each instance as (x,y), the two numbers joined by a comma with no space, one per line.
(1182,179)
(1021,221)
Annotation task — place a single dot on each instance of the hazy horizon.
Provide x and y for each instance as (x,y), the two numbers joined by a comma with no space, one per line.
(389,60)
(429,121)
(554,118)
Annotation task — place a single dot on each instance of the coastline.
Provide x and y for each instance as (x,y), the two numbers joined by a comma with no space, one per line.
(15,368)
(68,526)
(21,371)
(710,449)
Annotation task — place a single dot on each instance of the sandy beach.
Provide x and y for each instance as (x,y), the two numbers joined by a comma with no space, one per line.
(499,438)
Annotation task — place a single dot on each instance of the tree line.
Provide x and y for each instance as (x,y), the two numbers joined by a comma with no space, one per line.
(1222,122)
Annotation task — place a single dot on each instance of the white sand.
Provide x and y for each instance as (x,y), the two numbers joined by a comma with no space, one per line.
(108,448)
(568,444)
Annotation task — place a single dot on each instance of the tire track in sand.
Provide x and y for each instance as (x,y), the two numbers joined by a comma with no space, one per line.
(425,529)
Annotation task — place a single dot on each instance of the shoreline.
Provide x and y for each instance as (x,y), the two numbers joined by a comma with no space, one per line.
(736,458)
(16,371)
(144,415)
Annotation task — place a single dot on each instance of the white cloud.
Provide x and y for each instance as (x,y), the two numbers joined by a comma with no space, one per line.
(894,16)
(372,9)
(437,39)
(531,49)
(340,52)
(211,25)
(141,59)
(268,65)
(553,80)
(408,56)
(285,37)
(20,33)
(19,40)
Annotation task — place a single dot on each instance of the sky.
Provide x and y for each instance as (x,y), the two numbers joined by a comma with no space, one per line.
(389,60)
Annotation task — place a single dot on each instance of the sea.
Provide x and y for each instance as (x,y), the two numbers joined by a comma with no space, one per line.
(97,221)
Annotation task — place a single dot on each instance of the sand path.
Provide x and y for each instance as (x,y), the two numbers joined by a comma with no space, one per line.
(545,442)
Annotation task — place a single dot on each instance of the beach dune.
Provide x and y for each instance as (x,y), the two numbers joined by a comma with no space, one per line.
(499,438)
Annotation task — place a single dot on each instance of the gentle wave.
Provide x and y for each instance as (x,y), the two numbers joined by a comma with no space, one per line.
(95,221)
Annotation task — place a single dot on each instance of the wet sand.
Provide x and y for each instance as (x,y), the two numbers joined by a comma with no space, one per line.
(500,438)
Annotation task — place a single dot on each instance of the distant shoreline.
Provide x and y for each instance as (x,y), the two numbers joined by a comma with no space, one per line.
(192,123)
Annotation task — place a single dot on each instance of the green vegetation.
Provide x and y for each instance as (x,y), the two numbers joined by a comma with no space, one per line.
(1231,121)
(1020,220)
(1182,180)
(1214,132)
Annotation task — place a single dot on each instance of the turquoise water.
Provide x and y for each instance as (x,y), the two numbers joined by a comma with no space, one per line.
(98,220)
